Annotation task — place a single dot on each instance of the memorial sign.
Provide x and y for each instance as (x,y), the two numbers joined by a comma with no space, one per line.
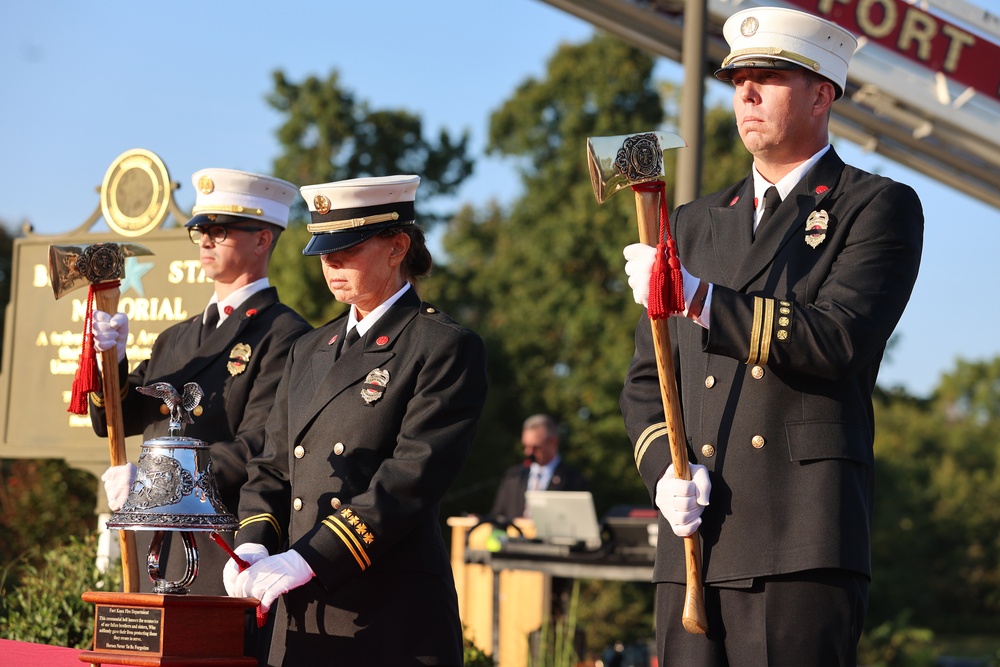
(43,336)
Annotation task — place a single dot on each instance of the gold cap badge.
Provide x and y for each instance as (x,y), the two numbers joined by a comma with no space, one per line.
(206,185)
(322,204)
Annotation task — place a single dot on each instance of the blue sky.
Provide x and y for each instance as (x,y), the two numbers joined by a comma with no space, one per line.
(84,82)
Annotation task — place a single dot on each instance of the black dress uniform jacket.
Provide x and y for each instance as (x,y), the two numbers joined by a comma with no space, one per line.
(238,367)
(776,395)
(360,448)
(509,502)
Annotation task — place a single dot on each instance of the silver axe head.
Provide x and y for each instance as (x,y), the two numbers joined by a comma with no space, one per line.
(627,159)
(75,266)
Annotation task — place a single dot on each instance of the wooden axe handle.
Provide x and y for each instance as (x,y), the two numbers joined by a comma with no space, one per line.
(107,300)
(647,206)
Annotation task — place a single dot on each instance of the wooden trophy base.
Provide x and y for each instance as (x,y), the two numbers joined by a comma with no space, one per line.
(149,629)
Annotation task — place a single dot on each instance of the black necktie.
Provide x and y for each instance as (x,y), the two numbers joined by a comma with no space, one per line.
(771,202)
(211,321)
(350,339)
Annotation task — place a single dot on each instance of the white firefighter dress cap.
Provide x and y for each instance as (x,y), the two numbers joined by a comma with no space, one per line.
(778,38)
(228,196)
(346,213)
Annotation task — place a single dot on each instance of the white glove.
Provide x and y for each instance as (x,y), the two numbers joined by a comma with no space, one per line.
(271,577)
(639,269)
(682,501)
(251,552)
(110,331)
(639,259)
(117,484)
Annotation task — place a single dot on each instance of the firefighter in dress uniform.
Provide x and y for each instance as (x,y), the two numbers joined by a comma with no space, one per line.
(374,417)
(789,304)
(235,350)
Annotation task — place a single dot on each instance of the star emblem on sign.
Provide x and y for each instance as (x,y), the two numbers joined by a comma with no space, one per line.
(133,273)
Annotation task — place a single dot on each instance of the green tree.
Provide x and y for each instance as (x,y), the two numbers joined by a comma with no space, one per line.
(329,135)
(6,267)
(43,503)
(936,538)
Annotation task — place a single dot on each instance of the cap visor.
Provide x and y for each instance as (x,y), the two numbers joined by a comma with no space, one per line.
(210,219)
(726,73)
(324,244)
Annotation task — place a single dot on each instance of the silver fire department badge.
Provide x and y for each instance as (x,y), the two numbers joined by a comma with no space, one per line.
(374,385)
(816,225)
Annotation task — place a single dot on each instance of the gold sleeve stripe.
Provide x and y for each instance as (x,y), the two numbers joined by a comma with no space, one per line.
(266,518)
(646,439)
(755,330)
(767,331)
(98,399)
(350,541)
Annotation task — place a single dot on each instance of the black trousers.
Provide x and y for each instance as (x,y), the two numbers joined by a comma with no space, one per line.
(803,619)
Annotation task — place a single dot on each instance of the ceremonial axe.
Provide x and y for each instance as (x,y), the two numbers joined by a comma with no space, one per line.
(633,161)
(100,267)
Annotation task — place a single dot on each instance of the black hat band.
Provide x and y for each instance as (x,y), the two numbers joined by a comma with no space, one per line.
(350,218)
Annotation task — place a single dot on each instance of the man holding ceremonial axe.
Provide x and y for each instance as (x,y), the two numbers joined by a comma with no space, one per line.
(794,279)
(235,351)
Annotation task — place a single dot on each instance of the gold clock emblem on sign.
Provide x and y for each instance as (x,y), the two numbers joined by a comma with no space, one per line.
(135,193)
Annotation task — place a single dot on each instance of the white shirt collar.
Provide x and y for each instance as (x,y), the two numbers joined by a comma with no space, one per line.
(238,297)
(369,321)
(786,184)
(545,471)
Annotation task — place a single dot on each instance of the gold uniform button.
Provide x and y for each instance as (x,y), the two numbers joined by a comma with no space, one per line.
(338,449)
(335,503)
(757,441)
(708,451)
(757,372)
(710,381)
(299,451)
(297,504)
(431,310)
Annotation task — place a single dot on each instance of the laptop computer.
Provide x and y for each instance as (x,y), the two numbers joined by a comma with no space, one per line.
(564,517)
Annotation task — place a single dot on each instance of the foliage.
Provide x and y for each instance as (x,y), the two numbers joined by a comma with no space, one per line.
(896,644)
(473,656)
(6,273)
(616,612)
(936,543)
(42,503)
(557,638)
(329,135)
(46,607)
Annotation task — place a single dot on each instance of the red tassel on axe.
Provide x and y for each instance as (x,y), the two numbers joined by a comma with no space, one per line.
(85,380)
(666,285)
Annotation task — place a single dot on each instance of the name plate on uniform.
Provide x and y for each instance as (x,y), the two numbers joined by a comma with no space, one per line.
(128,629)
